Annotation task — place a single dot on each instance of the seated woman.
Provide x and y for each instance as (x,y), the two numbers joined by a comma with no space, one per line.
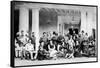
(77,49)
(62,48)
(91,48)
(29,47)
(42,53)
(52,50)
(61,45)
(54,39)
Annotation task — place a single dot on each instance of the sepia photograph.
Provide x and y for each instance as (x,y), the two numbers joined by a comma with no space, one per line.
(53,33)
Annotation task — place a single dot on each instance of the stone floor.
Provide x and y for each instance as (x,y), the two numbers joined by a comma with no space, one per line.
(19,62)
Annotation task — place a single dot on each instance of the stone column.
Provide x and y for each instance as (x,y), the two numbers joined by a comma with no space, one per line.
(35,25)
(83,21)
(23,19)
(90,23)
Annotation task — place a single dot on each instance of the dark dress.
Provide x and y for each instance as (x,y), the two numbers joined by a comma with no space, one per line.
(42,54)
(77,51)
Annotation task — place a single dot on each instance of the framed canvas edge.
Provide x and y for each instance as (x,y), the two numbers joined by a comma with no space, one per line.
(12,49)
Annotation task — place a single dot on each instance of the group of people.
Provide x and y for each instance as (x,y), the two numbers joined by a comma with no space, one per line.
(54,45)
(25,45)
